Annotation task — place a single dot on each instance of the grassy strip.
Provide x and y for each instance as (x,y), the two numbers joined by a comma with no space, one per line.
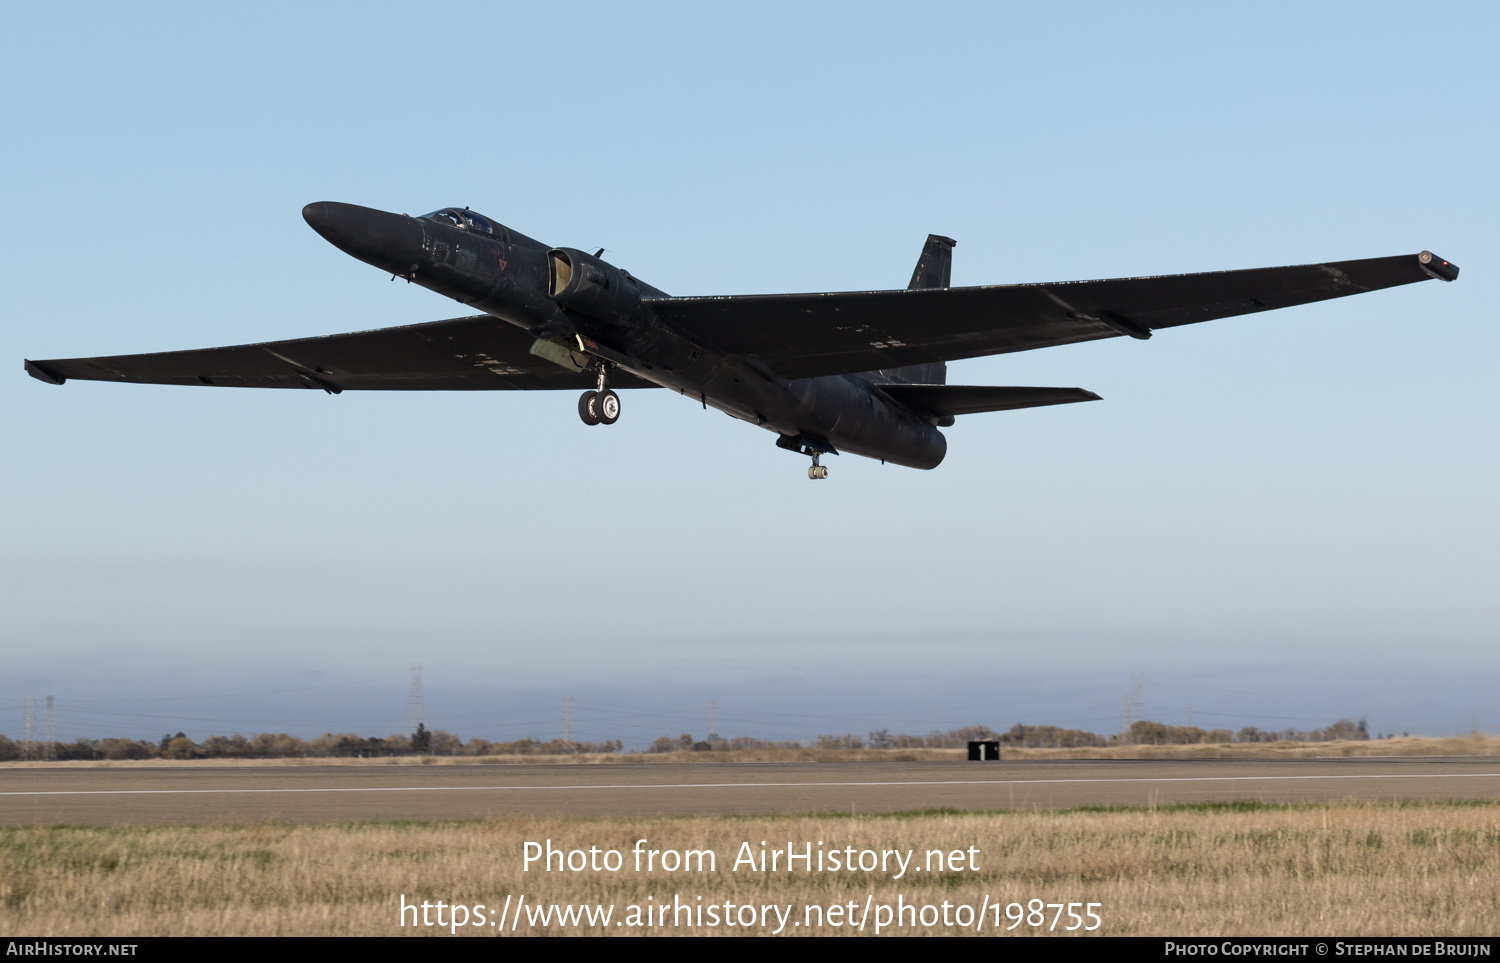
(1198,869)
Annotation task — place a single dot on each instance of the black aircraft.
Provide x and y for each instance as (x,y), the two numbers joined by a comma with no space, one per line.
(862,371)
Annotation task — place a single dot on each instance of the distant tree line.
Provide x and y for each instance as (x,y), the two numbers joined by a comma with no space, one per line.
(1155,733)
(1037,737)
(267,745)
(436,742)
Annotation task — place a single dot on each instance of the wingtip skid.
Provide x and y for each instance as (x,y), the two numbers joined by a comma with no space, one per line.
(42,374)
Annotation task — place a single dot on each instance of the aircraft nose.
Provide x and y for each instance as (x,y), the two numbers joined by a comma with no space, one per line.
(316,215)
(388,241)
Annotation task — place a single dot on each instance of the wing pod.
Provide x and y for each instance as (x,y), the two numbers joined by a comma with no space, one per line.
(583,283)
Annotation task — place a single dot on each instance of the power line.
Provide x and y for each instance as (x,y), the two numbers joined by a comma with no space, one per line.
(229,695)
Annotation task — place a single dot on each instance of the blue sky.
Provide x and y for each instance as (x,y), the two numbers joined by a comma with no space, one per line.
(1280,519)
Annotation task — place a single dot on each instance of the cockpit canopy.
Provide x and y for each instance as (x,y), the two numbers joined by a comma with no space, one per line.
(463,219)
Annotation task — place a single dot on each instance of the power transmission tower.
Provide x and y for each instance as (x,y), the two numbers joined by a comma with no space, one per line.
(567,718)
(416,709)
(1190,715)
(1131,706)
(51,752)
(28,744)
(713,720)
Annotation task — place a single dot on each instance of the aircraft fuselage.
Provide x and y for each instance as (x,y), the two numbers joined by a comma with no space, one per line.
(560,295)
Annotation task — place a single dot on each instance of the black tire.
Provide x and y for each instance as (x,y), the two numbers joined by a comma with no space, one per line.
(588,407)
(607,407)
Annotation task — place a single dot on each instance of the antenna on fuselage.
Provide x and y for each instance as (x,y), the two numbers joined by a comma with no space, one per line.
(599,253)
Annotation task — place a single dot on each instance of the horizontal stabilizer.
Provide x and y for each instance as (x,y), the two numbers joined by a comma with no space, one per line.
(972,399)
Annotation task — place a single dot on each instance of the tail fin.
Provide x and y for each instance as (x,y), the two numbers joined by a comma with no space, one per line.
(934,269)
(935,266)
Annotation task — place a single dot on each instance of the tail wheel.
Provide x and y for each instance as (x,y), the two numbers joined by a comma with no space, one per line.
(588,407)
(608,407)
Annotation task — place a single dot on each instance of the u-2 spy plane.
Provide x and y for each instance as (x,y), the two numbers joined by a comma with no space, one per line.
(863,372)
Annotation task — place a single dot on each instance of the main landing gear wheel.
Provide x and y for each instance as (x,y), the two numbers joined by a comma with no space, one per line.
(607,407)
(588,407)
(600,407)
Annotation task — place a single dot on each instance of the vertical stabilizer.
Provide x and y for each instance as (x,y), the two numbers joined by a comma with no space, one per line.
(934,270)
(935,266)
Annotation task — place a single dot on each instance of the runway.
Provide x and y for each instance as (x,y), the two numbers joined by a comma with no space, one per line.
(186,793)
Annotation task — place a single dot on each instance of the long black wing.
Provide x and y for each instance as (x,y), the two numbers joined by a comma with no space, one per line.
(478,353)
(808,335)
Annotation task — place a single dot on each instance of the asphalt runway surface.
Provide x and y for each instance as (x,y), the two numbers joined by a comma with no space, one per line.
(186,793)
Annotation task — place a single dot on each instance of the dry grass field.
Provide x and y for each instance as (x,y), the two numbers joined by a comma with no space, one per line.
(1211,870)
(1471,745)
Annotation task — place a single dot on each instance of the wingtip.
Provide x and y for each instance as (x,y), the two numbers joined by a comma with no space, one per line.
(1437,267)
(42,374)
